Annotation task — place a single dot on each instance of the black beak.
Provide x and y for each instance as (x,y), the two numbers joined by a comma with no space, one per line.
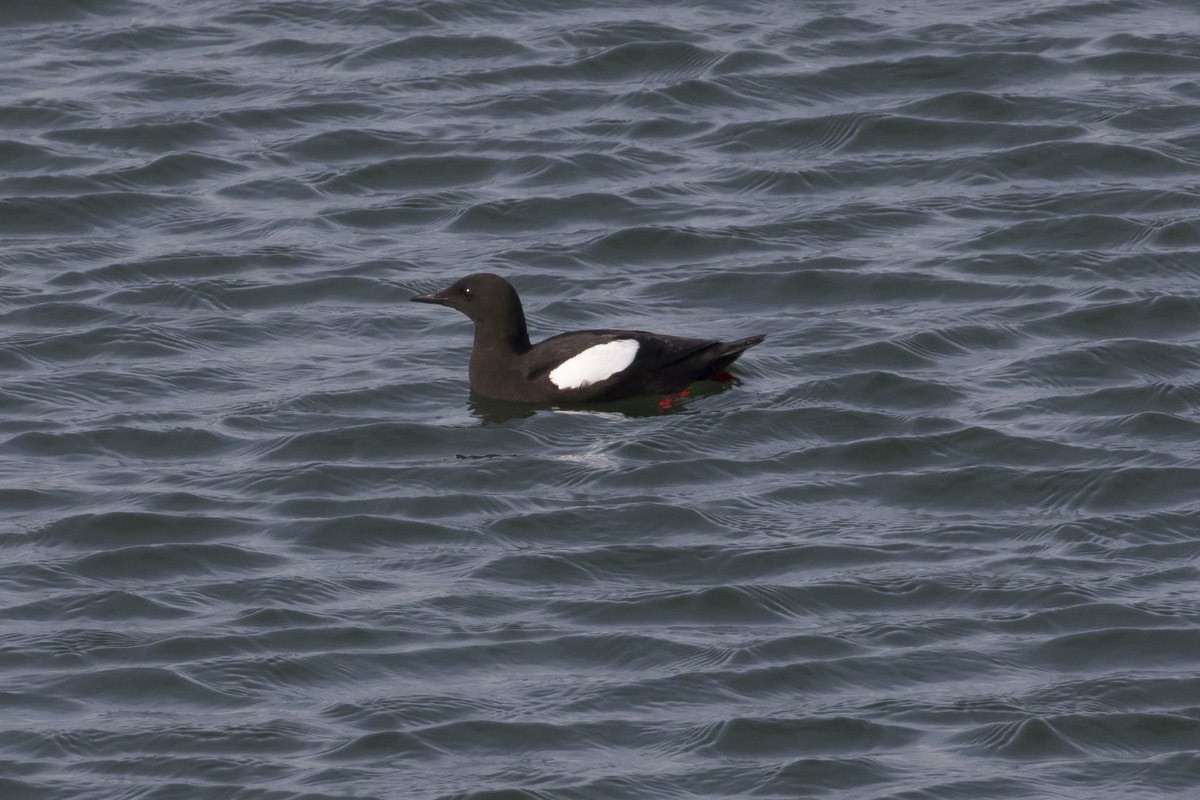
(437,299)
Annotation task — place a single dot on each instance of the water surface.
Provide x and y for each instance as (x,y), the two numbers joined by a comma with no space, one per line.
(940,540)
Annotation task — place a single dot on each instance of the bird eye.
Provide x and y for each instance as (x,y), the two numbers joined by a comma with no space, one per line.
(467,293)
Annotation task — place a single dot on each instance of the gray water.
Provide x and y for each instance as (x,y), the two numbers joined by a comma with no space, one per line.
(940,538)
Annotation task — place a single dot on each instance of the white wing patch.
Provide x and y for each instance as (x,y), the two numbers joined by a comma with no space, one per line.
(595,364)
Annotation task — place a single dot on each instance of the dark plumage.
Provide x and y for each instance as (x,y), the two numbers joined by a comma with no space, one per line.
(613,364)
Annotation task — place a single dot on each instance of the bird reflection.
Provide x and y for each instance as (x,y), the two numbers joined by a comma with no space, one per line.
(496,412)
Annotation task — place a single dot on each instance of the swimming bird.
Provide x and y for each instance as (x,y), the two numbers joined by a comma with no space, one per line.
(578,367)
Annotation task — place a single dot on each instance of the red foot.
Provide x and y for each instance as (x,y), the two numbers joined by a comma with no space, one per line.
(721,377)
(667,402)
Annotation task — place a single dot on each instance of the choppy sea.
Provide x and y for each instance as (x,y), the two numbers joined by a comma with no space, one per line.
(940,538)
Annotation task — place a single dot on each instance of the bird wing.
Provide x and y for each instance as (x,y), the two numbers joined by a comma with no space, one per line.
(654,351)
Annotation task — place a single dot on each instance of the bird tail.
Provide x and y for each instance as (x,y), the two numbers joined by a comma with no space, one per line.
(742,345)
(728,352)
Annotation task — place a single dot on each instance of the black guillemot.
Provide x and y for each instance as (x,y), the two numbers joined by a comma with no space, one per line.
(578,367)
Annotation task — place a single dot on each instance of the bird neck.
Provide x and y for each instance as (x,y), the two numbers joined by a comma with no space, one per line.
(509,334)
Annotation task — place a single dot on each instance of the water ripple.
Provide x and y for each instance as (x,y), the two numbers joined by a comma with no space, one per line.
(260,541)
